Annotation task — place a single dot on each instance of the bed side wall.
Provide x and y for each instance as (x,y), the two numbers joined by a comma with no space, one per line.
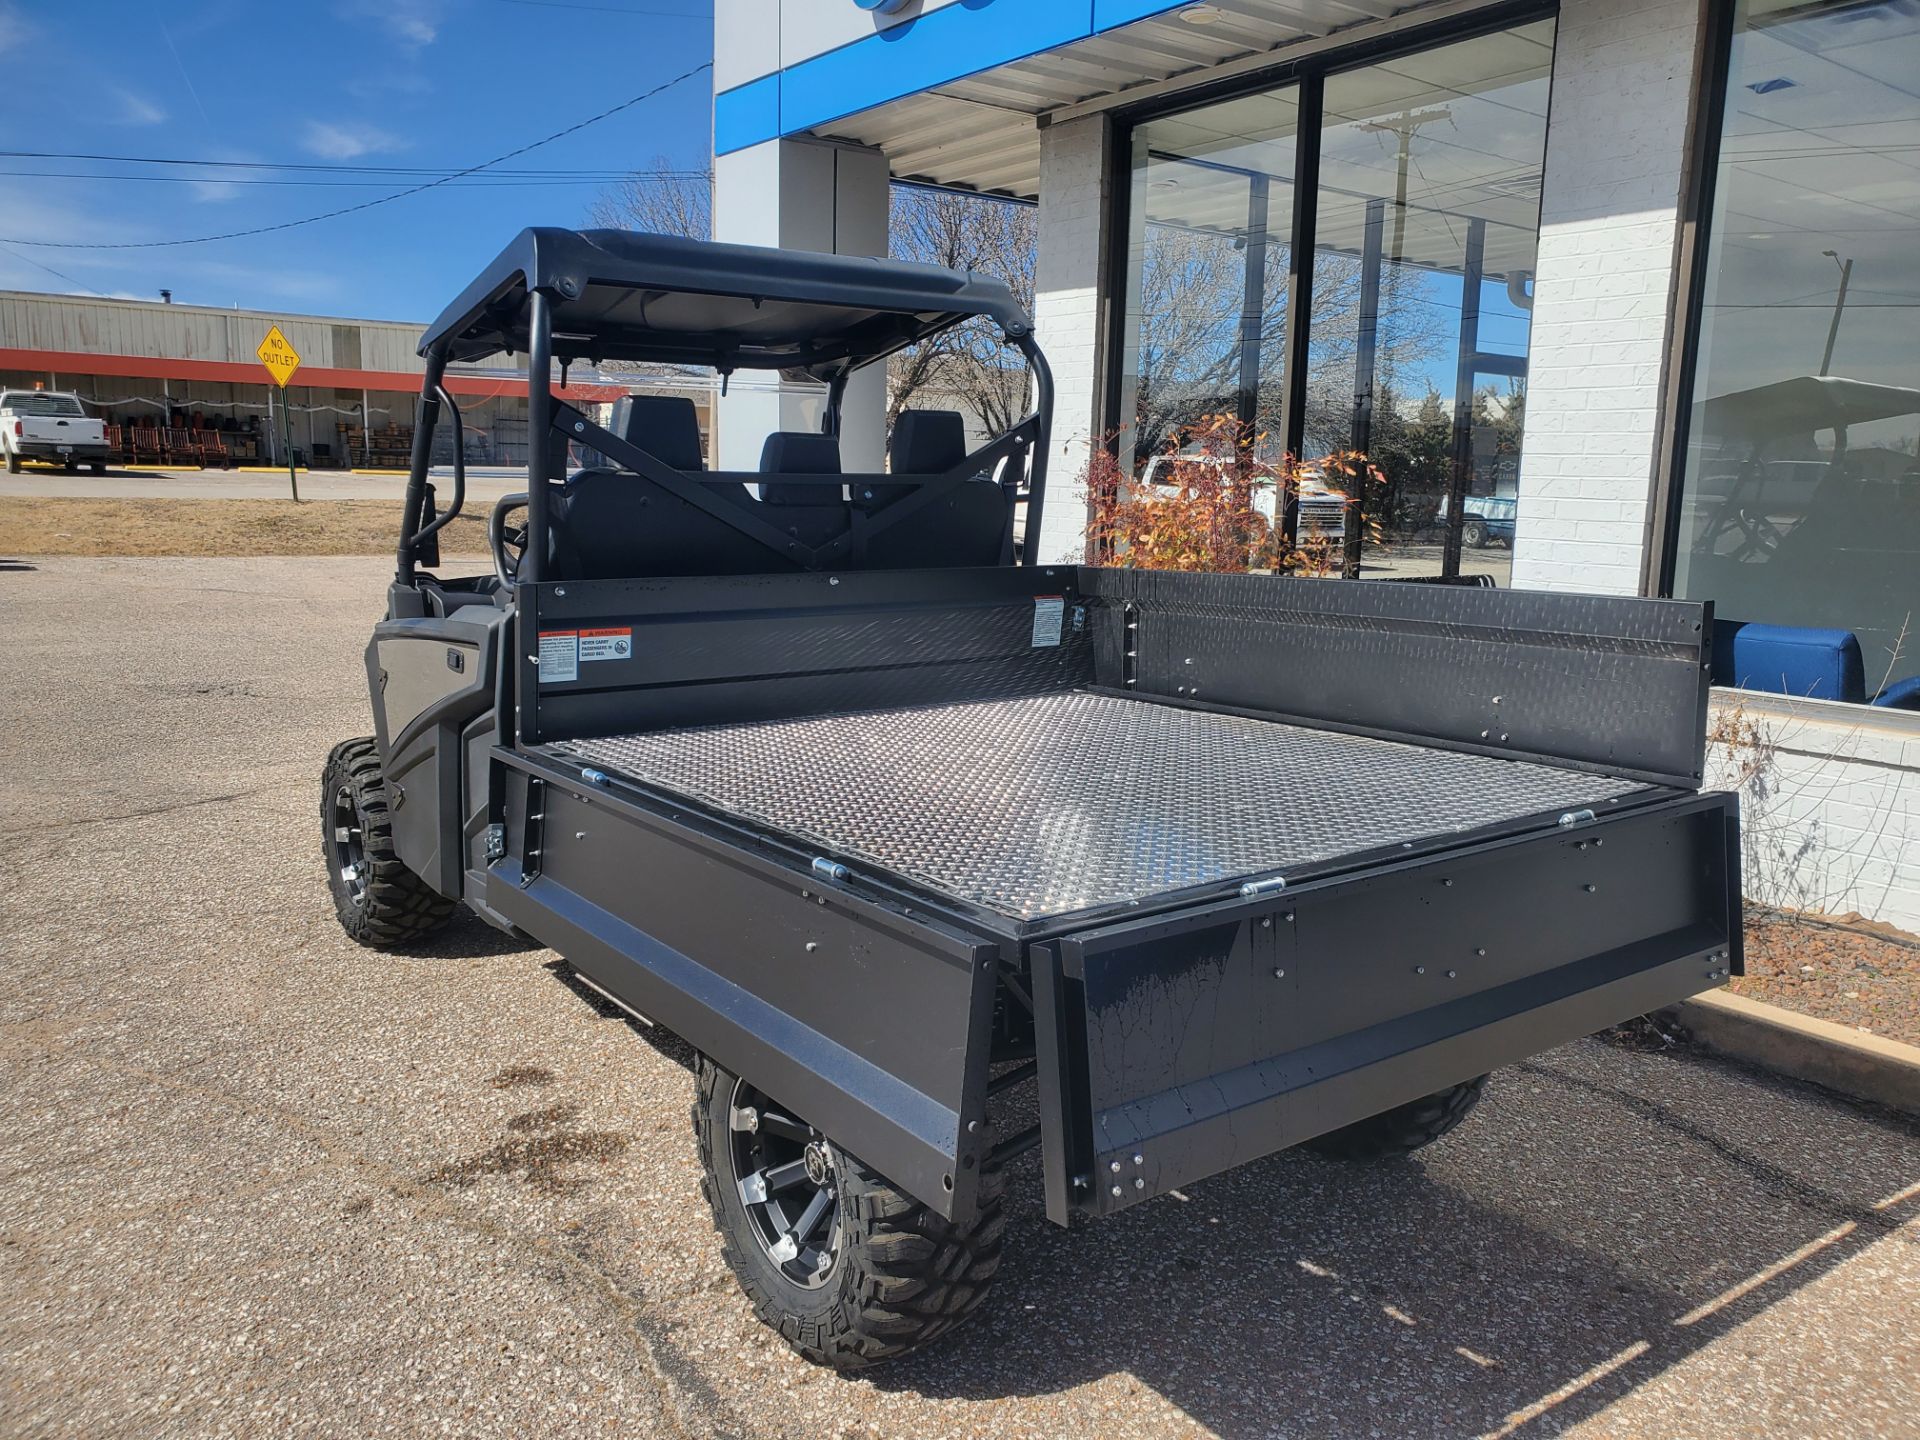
(1612,684)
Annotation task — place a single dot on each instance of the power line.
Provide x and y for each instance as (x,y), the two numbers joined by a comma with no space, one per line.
(608,9)
(294,165)
(505,181)
(57,274)
(365,204)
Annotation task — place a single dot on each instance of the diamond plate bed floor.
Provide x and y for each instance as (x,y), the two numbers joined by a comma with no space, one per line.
(1052,804)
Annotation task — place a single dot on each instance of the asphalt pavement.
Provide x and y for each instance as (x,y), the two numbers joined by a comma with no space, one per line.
(256,1181)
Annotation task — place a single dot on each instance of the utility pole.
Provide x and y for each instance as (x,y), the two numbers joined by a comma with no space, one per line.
(1405,126)
(1839,304)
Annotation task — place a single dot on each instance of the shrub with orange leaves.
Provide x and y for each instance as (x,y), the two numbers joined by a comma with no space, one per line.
(1207,504)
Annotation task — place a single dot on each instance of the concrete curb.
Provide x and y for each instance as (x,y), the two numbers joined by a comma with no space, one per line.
(1836,1056)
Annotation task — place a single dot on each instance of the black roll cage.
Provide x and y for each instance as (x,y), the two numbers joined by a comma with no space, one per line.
(551,422)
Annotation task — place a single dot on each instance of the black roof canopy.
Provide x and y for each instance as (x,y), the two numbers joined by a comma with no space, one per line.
(627,295)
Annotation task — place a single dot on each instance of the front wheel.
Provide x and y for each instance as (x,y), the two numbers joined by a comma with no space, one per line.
(380,901)
(849,1269)
(13,462)
(1403,1129)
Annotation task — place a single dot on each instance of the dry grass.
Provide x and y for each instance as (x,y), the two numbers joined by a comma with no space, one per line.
(31,526)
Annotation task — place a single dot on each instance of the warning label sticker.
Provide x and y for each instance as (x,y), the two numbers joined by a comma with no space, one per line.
(559,654)
(1048,613)
(605,645)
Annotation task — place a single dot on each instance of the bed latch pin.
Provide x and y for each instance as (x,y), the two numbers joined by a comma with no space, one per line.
(1270,886)
(829,869)
(1576,817)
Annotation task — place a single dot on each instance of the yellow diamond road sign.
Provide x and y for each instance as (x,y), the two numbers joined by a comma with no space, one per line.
(280,358)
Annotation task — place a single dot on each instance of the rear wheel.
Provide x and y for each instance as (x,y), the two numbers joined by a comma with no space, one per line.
(1474,535)
(70,465)
(380,902)
(849,1269)
(98,467)
(1403,1129)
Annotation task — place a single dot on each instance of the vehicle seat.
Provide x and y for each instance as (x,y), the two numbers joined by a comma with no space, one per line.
(800,452)
(969,525)
(667,427)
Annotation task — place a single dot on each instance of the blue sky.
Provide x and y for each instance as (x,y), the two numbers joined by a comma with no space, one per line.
(420,85)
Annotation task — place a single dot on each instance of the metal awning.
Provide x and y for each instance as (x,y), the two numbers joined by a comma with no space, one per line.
(980,132)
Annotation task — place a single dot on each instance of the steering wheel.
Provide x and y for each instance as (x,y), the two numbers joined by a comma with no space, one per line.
(507,542)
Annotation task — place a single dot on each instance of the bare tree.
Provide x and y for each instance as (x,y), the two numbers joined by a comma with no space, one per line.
(996,237)
(970,362)
(663,201)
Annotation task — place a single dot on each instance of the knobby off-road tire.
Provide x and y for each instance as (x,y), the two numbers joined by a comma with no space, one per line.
(882,1274)
(1403,1129)
(381,903)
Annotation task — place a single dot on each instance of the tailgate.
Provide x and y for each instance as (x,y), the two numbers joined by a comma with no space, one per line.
(1173,1048)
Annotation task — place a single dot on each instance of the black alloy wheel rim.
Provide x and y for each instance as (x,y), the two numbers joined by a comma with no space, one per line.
(347,844)
(787,1175)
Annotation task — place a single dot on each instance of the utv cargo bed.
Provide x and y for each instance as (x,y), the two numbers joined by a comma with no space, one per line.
(934,858)
(1043,808)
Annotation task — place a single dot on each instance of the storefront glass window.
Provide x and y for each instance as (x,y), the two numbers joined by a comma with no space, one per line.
(1425,218)
(1799,507)
(1212,208)
(1427,223)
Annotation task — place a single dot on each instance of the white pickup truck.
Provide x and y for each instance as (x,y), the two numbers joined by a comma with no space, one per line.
(50,426)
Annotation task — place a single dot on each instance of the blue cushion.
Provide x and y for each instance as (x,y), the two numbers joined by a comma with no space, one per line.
(1901,695)
(1789,660)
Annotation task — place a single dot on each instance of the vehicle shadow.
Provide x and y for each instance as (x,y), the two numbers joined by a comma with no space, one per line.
(466,936)
(662,1040)
(1601,1217)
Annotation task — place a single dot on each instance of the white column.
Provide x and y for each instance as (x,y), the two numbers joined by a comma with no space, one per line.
(801,195)
(1069,302)
(1604,291)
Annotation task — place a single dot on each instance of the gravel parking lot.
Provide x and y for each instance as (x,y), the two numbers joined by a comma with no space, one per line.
(254,1180)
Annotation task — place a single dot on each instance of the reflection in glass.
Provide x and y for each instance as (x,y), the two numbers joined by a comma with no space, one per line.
(1212,208)
(1800,493)
(1427,219)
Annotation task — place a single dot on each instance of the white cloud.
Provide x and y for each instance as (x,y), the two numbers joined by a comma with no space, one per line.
(137,109)
(12,28)
(411,22)
(346,142)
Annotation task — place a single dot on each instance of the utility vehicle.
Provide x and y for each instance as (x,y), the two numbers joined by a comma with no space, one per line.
(936,859)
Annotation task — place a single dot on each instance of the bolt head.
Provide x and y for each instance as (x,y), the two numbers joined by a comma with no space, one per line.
(1453,974)
(1115,1167)
(1419,969)
(1139,1159)
(1478,950)
(1117,1192)
(1138,1183)
(1279,974)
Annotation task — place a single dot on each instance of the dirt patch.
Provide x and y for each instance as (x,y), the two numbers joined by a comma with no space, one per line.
(514,1077)
(542,1158)
(1844,970)
(47,526)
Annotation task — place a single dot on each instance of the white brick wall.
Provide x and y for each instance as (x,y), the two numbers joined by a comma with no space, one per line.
(1603,291)
(1830,803)
(1067,315)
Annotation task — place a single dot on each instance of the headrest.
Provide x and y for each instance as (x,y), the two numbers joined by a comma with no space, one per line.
(927,442)
(667,427)
(800,452)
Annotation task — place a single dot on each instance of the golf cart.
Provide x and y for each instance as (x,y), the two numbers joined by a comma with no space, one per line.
(937,860)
